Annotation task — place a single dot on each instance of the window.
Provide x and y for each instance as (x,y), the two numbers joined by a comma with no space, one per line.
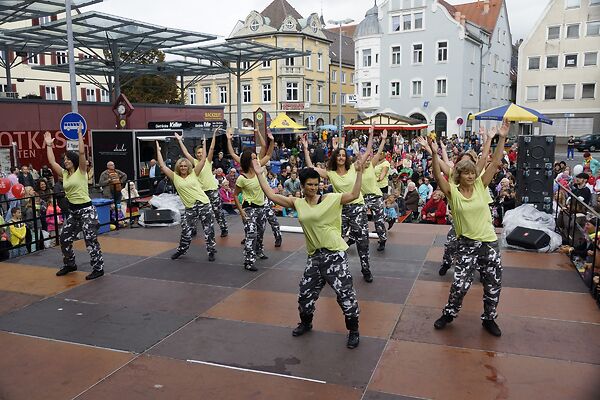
(474,55)
(207,95)
(366,58)
(308,95)
(496,63)
(471,87)
(407,22)
(550,92)
(593,28)
(51,93)
(572,3)
(588,91)
(396,55)
(266,92)
(570,60)
(244,65)
(334,75)
(343,77)
(90,94)
(254,25)
(553,32)
(551,62)
(568,92)
(289,61)
(34,59)
(590,58)
(104,96)
(418,20)
(291,91)
(45,20)
(376,58)
(320,62)
(266,64)
(320,94)
(534,63)
(442,51)
(246,94)
(308,61)
(333,98)
(352,77)
(376,89)
(417,88)
(366,89)
(532,93)
(62,57)
(495,92)
(395,92)
(222,94)
(343,98)
(417,54)
(192,95)
(573,31)
(441,87)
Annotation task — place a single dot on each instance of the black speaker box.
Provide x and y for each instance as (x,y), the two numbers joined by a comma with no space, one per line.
(528,238)
(536,152)
(158,217)
(534,185)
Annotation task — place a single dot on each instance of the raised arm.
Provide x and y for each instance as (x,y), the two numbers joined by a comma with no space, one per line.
(211,150)
(308,161)
(265,159)
(437,173)
(287,202)
(229,134)
(166,170)
(487,145)
(353,195)
(201,161)
(82,159)
(363,159)
(377,156)
(491,170)
(261,141)
(50,154)
(184,150)
(445,168)
(445,154)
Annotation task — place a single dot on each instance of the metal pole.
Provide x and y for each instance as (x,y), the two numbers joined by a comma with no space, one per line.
(114,49)
(340,90)
(239,95)
(71,53)
(181,89)
(7,67)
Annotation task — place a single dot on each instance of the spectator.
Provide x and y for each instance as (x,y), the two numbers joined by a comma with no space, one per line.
(33,172)
(435,210)
(580,188)
(424,190)
(154,174)
(222,163)
(292,185)
(571,148)
(112,181)
(391,210)
(272,180)
(590,165)
(18,232)
(232,177)
(411,200)
(226,194)
(46,173)
(25,177)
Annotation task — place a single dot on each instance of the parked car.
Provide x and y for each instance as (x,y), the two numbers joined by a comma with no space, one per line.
(588,142)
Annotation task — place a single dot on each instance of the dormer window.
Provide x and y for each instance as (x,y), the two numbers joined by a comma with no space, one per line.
(314,26)
(289,25)
(254,25)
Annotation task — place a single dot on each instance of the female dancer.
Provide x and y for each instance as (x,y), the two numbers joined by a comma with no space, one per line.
(320,218)
(207,179)
(342,176)
(197,204)
(252,210)
(83,215)
(477,242)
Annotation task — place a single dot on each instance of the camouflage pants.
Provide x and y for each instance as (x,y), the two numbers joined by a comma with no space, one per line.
(254,230)
(198,212)
(271,218)
(329,267)
(85,220)
(354,218)
(375,204)
(485,257)
(450,248)
(217,207)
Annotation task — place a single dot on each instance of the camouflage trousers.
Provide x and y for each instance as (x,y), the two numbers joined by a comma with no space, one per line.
(217,208)
(254,230)
(330,267)
(450,248)
(86,221)
(375,204)
(354,219)
(271,218)
(485,257)
(198,212)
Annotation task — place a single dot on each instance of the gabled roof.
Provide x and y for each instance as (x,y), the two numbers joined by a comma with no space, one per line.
(347,30)
(278,10)
(334,48)
(474,13)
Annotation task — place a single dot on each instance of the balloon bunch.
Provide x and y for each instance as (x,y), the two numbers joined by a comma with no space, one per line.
(17,189)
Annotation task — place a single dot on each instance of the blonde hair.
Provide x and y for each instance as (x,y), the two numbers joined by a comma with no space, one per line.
(461,167)
(181,161)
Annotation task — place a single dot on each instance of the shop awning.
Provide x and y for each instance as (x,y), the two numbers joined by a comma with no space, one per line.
(389,121)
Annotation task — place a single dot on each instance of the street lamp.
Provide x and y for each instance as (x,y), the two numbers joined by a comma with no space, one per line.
(340,22)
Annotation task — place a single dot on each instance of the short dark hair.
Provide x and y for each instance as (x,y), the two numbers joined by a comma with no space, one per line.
(15,209)
(73,156)
(583,175)
(308,173)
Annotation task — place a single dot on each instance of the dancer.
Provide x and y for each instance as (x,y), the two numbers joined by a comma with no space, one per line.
(477,242)
(252,209)
(342,176)
(320,218)
(82,214)
(271,218)
(371,191)
(197,204)
(207,179)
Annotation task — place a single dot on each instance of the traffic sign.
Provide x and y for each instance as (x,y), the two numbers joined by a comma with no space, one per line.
(311,119)
(69,124)
(459,121)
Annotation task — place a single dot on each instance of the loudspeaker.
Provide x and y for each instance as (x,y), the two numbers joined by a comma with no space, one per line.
(528,238)
(158,217)
(535,185)
(535,177)
(536,152)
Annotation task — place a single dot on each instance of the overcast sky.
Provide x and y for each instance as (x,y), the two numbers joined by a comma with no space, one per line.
(219,17)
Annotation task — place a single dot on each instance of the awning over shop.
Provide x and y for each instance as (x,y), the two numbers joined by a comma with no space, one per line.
(391,122)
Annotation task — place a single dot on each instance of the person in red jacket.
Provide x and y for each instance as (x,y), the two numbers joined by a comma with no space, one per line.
(435,210)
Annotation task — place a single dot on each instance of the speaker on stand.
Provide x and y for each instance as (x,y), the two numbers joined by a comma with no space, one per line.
(535,175)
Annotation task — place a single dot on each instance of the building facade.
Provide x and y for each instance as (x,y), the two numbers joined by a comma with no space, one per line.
(433,61)
(559,70)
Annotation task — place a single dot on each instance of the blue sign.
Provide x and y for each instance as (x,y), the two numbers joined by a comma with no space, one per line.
(425,104)
(69,124)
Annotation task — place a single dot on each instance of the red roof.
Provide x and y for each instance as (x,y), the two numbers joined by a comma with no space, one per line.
(474,12)
(347,30)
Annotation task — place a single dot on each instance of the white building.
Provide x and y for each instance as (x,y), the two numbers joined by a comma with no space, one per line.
(559,70)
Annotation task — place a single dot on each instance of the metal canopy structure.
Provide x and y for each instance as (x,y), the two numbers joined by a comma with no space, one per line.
(237,57)
(18,10)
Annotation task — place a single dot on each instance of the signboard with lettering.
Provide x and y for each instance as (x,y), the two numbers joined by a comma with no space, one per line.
(351,99)
(209,125)
(292,106)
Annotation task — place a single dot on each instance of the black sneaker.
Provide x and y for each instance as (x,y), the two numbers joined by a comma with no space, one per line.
(95,274)
(443,321)
(381,246)
(368,276)
(249,267)
(278,242)
(224,233)
(492,327)
(301,329)
(211,256)
(262,256)
(443,269)
(65,270)
(177,254)
(353,339)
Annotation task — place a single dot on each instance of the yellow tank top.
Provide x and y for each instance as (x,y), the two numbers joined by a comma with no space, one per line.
(189,190)
(251,190)
(76,187)
(369,182)
(345,183)
(378,168)
(206,177)
(472,217)
(322,223)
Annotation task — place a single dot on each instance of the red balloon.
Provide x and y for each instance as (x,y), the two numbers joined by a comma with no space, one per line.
(17,190)
(4,185)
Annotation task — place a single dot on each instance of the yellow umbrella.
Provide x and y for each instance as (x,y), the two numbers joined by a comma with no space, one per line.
(283,122)
(512,112)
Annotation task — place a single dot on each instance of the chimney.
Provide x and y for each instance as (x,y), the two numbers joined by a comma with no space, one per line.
(486,6)
(457,16)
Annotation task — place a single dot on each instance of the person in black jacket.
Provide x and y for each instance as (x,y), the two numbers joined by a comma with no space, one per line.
(25,177)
